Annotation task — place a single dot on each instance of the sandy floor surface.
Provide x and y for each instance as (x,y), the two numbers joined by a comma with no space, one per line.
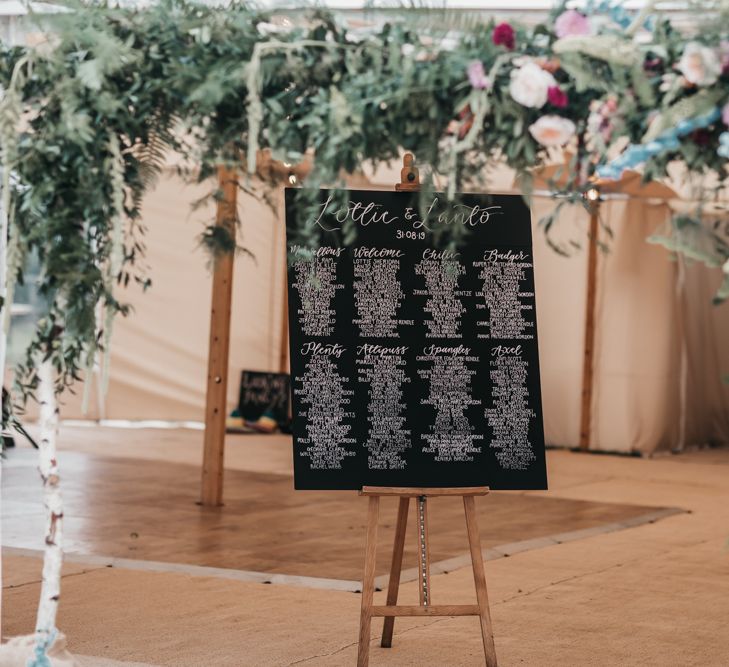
(656,594)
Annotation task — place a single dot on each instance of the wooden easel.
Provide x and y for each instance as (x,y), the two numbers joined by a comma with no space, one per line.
(390,610)
(410,182)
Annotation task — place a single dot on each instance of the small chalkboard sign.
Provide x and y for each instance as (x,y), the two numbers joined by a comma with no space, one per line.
(264,394)
(413,338)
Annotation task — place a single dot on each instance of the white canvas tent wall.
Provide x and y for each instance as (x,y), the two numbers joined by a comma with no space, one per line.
(660,345)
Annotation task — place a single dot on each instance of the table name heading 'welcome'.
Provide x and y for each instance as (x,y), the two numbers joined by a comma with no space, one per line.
(490,255)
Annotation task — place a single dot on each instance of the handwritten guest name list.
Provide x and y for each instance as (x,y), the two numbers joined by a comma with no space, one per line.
(414,362)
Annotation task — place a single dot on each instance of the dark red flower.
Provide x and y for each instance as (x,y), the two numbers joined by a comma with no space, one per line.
(701,137)
(557,97)
(503,35)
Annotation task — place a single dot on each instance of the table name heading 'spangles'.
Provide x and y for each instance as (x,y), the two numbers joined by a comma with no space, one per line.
(368,213)
(336,350)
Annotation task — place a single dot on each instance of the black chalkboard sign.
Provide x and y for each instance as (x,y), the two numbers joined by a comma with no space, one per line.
(413,336)
(264,393)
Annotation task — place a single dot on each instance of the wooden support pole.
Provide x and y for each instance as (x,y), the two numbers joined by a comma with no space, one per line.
(588,360)
(211,493)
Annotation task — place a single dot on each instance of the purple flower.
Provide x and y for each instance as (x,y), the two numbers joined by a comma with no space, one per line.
(572,23)
(477,75)
(503,35)
(557,97)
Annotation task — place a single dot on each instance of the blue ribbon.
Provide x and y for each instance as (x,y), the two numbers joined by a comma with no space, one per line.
(636,154)
(617,13)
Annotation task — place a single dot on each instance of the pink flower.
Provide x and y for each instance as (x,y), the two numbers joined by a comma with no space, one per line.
(725,114)
(571,23)
(700,64)
(503,35)
(477,76)
(557,97)
(611,105)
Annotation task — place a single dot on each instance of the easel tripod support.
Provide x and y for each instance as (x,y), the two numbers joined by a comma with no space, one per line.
(391,609)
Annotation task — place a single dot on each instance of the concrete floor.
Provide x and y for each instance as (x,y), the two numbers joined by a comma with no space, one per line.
(656,594)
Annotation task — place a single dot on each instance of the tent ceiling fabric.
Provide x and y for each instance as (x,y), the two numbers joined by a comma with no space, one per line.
(658,357)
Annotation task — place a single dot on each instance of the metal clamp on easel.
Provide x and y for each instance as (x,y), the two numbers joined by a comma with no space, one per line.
(409,175)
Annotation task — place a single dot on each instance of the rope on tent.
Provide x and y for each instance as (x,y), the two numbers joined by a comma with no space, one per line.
(254,83)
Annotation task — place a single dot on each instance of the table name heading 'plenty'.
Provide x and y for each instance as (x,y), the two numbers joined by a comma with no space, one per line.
(325,349)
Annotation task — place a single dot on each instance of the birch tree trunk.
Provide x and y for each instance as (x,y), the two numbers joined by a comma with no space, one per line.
(3,306)
(45,627)
(4,202)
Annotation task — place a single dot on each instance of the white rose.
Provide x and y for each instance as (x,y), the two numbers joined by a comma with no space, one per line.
(448,43)
(529,85)
(265,28)
(699,64)
(552,130)
(355,36)
(278,24)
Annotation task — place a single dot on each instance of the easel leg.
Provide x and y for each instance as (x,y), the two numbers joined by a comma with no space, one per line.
(394,581)
(479,578)
(368,583)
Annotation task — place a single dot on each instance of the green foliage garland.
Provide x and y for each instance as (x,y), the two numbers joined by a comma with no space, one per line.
(87,120)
